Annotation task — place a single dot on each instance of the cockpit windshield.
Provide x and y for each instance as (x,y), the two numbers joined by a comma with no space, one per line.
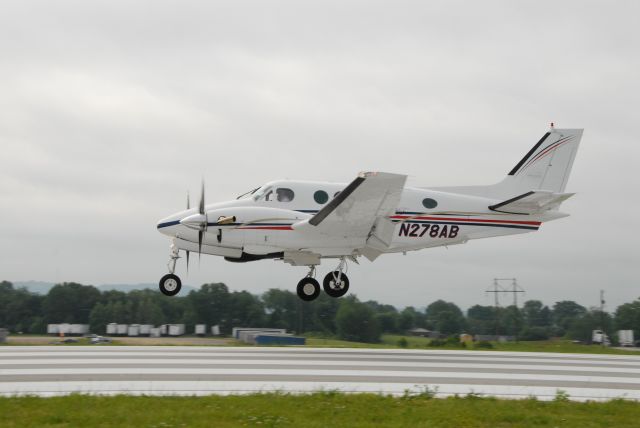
(248,194)
(260,192)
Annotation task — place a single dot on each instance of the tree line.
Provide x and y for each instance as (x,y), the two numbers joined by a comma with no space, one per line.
(346,318)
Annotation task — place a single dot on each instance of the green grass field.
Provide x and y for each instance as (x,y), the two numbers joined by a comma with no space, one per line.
(314,410)
(557,345)
(388,341)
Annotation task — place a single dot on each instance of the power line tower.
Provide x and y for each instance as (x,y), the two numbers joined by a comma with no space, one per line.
(496,289)
(513,288)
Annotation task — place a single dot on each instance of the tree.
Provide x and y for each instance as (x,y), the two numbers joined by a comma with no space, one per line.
(70,302)
(447,316)
(481,319)
(536,314)
(357,322)
(210,303)
(282,309)
(581,328)
(627,317)
(565,312)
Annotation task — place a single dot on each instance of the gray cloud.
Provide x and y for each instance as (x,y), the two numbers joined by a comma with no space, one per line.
(109,112)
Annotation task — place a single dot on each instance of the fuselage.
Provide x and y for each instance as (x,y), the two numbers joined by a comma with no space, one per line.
(262,223)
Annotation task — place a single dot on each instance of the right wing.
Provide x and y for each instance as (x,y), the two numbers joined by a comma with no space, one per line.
(353,213)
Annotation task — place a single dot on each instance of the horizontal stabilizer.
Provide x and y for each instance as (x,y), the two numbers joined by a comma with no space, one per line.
(533,202)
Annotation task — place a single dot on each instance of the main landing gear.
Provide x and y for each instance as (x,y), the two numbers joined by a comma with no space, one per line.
(335,284)
(170,284)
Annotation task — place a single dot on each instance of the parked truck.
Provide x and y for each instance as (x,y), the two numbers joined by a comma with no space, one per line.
(599,337)
(625,337)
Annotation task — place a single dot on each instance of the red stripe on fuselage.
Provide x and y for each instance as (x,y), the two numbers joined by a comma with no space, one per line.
(469,220)
(267,227)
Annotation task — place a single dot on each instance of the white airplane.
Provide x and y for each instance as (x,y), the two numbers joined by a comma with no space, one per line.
(303,222)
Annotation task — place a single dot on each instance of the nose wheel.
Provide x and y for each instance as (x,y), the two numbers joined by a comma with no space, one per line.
(170,284)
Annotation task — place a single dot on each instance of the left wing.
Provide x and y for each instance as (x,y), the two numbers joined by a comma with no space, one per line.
(353,213)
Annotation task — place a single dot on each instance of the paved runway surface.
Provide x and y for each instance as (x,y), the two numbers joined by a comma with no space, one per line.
(55,370)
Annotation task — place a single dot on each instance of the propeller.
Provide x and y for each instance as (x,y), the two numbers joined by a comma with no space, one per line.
(203,225)
(188,207)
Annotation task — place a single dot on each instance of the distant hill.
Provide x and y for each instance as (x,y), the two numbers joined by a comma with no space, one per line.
(41,287)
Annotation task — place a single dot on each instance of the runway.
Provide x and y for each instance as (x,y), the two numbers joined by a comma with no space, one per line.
(191,370)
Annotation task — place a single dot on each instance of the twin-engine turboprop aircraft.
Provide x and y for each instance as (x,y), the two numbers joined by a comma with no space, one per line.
(303,222)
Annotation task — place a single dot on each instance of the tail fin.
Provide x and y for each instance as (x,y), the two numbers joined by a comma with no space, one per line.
(545,167)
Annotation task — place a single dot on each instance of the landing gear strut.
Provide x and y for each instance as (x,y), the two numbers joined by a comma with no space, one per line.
(170,284)
(308,288)
(336,283)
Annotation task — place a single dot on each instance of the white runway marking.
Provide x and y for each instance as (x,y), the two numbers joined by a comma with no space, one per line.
(205,370)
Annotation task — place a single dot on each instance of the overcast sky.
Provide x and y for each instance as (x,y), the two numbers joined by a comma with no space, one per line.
(111,111)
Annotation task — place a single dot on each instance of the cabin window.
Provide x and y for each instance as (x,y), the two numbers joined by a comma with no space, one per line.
(336,194)
(284,195)
(321,197)
(429,203)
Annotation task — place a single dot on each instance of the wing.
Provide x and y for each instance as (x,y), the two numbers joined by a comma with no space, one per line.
(533,202)
(353,213)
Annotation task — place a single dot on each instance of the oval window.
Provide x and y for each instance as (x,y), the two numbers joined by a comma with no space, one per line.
(284,195)
(321,197)
(429,203)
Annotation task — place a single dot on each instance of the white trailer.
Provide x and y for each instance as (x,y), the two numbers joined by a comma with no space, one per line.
(164,329)
(215,330)
(625,337)
(122,329)
(112,329)
(53,329)
(145,329)
(154,332)
(133,330)
(176,329)
(201,329)
(64,328)
(78,329)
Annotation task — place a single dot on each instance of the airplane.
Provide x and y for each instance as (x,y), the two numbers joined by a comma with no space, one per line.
(303,222)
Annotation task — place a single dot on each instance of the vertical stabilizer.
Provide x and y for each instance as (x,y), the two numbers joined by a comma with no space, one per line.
(546,166)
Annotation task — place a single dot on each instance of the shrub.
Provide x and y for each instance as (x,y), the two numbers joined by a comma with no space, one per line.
(483,344)
(402,342)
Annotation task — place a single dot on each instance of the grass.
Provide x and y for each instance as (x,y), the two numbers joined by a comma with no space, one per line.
(313,410)
(388,341)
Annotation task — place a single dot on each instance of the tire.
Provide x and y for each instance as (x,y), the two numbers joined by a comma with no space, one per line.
(333,289)
(170,284)
(308,289)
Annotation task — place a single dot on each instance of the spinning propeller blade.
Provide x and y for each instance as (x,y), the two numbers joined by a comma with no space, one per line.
(204,224)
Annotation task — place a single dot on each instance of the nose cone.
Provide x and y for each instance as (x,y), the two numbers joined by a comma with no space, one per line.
(195,221)
(168,225)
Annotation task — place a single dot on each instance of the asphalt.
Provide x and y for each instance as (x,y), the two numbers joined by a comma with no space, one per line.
(190,370)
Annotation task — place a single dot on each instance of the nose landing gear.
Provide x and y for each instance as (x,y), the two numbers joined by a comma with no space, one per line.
(170,284)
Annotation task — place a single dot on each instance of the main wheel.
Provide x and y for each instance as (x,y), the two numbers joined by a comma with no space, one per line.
(308,289)
(335,288)
(170,284)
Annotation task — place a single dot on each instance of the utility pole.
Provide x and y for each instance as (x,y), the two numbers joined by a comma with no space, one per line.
(602,302)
